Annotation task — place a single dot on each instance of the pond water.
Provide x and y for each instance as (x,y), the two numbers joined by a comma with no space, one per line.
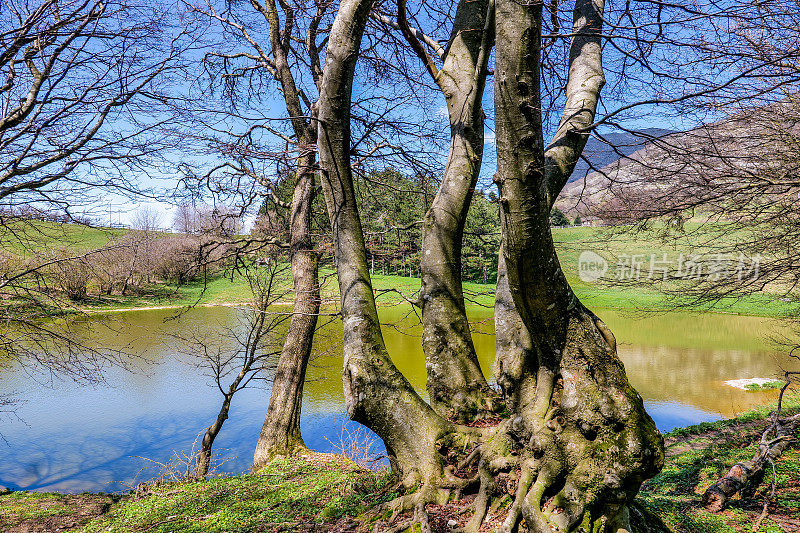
(72,438)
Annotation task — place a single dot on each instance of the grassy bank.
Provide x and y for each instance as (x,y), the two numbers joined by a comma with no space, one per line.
(31,239)
(327,492)
(570,242)
(697,456)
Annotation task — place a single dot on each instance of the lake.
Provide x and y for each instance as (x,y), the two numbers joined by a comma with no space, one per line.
(72,438)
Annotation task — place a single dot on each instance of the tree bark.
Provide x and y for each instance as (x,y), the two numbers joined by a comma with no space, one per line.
(376,393)
(591,443)
(206,445)
(280,433)
(455,383)
(578,442)
(204,455)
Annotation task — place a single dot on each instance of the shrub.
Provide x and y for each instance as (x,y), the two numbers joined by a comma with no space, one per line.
(177,258)
(71,274)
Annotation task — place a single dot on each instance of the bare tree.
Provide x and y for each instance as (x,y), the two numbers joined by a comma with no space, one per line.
(186,219)
(80,95)
(563,417)
(146,219)
(241,355)
(71,72)
(285,55)
(456,384)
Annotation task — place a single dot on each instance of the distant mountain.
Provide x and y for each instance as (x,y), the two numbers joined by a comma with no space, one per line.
(601,153)
(670,172)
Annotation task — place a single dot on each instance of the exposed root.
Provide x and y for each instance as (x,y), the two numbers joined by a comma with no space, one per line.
(421,517)
(487,489)
(571,456)
(474,454)
(515,512)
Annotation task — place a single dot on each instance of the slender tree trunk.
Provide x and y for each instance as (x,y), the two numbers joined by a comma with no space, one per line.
(376,393)
(204,455)
(456,384)
(280,433)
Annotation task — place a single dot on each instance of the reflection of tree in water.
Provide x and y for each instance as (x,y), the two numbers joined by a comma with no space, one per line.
(89,457)
(104,459)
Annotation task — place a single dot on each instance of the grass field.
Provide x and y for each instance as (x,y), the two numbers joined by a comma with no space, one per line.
(29,239)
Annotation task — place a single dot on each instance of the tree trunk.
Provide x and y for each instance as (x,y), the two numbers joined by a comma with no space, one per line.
(578,442)
(204,455)
(591,443)
(376,393)
(280,433)
(717,495)
(455,383)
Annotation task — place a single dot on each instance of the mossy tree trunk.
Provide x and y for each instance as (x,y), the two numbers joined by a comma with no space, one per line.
(590,442)
(376,393)
(455,383)
(577,442)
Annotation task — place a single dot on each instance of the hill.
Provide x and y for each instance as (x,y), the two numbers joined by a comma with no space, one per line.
(708,165)
(605,149)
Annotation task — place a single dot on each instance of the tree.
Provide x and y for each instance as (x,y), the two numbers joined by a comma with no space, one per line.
(557,442)
(72,71)
(273,58)
(558,218)
(146,221)
(456,384)
(481,239)
(246,354)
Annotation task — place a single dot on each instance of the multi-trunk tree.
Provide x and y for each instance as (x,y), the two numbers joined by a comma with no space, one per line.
(575,442)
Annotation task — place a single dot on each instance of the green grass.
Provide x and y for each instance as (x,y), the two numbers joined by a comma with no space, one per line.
(320,489)
(770,385)
(700,457)
(49,511)
(26,238)
(301,493)
(615,243)
(393,289)
(313,489)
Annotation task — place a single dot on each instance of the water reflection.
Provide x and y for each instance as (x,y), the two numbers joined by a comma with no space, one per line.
(88,438)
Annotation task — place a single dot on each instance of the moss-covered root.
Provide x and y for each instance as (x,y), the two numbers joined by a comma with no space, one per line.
(577,455)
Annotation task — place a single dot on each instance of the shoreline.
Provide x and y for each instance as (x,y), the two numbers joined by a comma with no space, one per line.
(337,492)
(636,310)
(174,306)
